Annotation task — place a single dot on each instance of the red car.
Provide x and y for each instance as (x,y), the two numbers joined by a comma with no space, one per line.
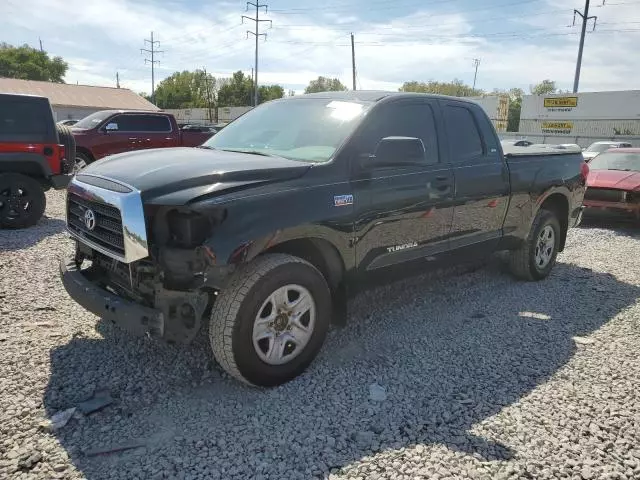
(108,132)
(613,184)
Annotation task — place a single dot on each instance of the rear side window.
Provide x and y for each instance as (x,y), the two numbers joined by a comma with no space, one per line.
(404,120)
(19,117)
(464,136)
(142,123)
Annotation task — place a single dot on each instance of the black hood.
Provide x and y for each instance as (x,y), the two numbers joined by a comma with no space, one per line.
(178,175)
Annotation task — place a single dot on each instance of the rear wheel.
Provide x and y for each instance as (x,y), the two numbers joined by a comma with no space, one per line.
(535,259)
(22,201)
(271,321)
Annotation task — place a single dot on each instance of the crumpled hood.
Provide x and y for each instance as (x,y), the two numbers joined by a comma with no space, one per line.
(617,179)
(181,174)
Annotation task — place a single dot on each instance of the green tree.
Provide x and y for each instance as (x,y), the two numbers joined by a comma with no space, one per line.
(455,88)
(187,90)
(28,63)
(324,84)
(515,106)
(269,92)
(544,88)
(238,92)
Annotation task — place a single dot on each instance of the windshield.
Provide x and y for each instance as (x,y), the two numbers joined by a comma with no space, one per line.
(629,162)
(308,130)
(93,120)
(599,147)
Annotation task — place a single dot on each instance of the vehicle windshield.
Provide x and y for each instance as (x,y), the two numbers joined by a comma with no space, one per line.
(92,120)
(599,147)
(308,130)
(628,162)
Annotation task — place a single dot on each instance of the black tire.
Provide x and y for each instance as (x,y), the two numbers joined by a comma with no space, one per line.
(22,201)
(238,306)
(82,160)
(523,262)
(65,137)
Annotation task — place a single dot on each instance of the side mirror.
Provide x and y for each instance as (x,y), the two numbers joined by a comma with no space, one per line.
(111,127)
(398,152)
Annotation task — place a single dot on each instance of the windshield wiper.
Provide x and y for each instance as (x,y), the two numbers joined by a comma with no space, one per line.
(206,147)
(250,152)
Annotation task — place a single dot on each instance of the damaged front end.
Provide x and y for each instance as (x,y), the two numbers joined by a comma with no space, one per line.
(160,286)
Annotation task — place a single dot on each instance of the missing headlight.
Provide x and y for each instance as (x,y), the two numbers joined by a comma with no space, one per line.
(187,229)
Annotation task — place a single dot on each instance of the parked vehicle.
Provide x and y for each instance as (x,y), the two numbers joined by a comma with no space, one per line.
(300,203)
(116,131)
(35,155)
(597,148)
(613,184)
(517,143)
(67,123)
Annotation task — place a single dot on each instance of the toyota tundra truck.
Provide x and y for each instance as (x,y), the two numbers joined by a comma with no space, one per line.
(266,230)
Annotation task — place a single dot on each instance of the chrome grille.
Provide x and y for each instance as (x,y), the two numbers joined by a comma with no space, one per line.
(107,232)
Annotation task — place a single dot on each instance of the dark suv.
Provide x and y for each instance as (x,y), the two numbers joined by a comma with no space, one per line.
(35,155)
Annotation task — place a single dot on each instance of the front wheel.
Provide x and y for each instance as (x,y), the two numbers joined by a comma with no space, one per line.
(269,324)
(535,259)
(81,162)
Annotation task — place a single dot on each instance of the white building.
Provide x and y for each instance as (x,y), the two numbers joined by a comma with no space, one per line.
(73,102)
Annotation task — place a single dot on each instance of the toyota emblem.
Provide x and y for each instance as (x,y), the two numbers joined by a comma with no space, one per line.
(89,219)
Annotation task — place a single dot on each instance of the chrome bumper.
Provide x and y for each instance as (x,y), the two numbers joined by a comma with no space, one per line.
(127,200)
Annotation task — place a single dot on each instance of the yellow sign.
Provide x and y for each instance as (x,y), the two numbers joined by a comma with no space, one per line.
(558,125)
(556,102)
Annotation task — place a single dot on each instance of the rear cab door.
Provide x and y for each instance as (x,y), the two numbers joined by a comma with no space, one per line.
(151,130)
(403,213)
(482,183)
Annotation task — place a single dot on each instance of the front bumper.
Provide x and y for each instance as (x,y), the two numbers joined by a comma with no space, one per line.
(60,182)
(132,317)
(598,208)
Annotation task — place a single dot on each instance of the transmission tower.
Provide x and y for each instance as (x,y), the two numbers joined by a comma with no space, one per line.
(152,50)
(256,34)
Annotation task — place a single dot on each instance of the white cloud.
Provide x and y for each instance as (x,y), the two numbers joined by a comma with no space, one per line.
(98,38)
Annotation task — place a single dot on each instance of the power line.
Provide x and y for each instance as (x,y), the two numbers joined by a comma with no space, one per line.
(585,19)
(256,34)
(152,51)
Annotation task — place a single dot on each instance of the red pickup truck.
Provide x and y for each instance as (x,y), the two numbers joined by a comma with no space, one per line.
(116,131)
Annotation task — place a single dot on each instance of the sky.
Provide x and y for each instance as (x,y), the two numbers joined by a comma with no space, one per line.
(518,42)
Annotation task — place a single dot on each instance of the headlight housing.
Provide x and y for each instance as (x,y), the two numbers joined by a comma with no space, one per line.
(187,229)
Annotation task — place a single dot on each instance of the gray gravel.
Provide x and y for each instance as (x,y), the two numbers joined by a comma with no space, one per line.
(482,377)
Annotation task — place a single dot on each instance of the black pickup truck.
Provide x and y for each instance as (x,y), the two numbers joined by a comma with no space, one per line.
(270,226)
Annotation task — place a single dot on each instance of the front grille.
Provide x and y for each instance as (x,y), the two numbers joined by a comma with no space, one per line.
(604,195)
(107,232)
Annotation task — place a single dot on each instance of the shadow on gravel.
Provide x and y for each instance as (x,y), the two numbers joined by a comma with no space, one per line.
(629,228)
(11,240)
(451,352)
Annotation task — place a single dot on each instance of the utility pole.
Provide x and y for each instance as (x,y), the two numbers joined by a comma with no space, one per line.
(585,19)
(208,93)
(256,34)
(353,62)
(117,79)
(153,61)
(476,64)
(40,40)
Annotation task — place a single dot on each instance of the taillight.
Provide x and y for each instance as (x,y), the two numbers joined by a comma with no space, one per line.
(61,152)
(584,170)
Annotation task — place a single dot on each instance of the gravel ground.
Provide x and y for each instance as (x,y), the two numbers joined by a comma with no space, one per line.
(482,377)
